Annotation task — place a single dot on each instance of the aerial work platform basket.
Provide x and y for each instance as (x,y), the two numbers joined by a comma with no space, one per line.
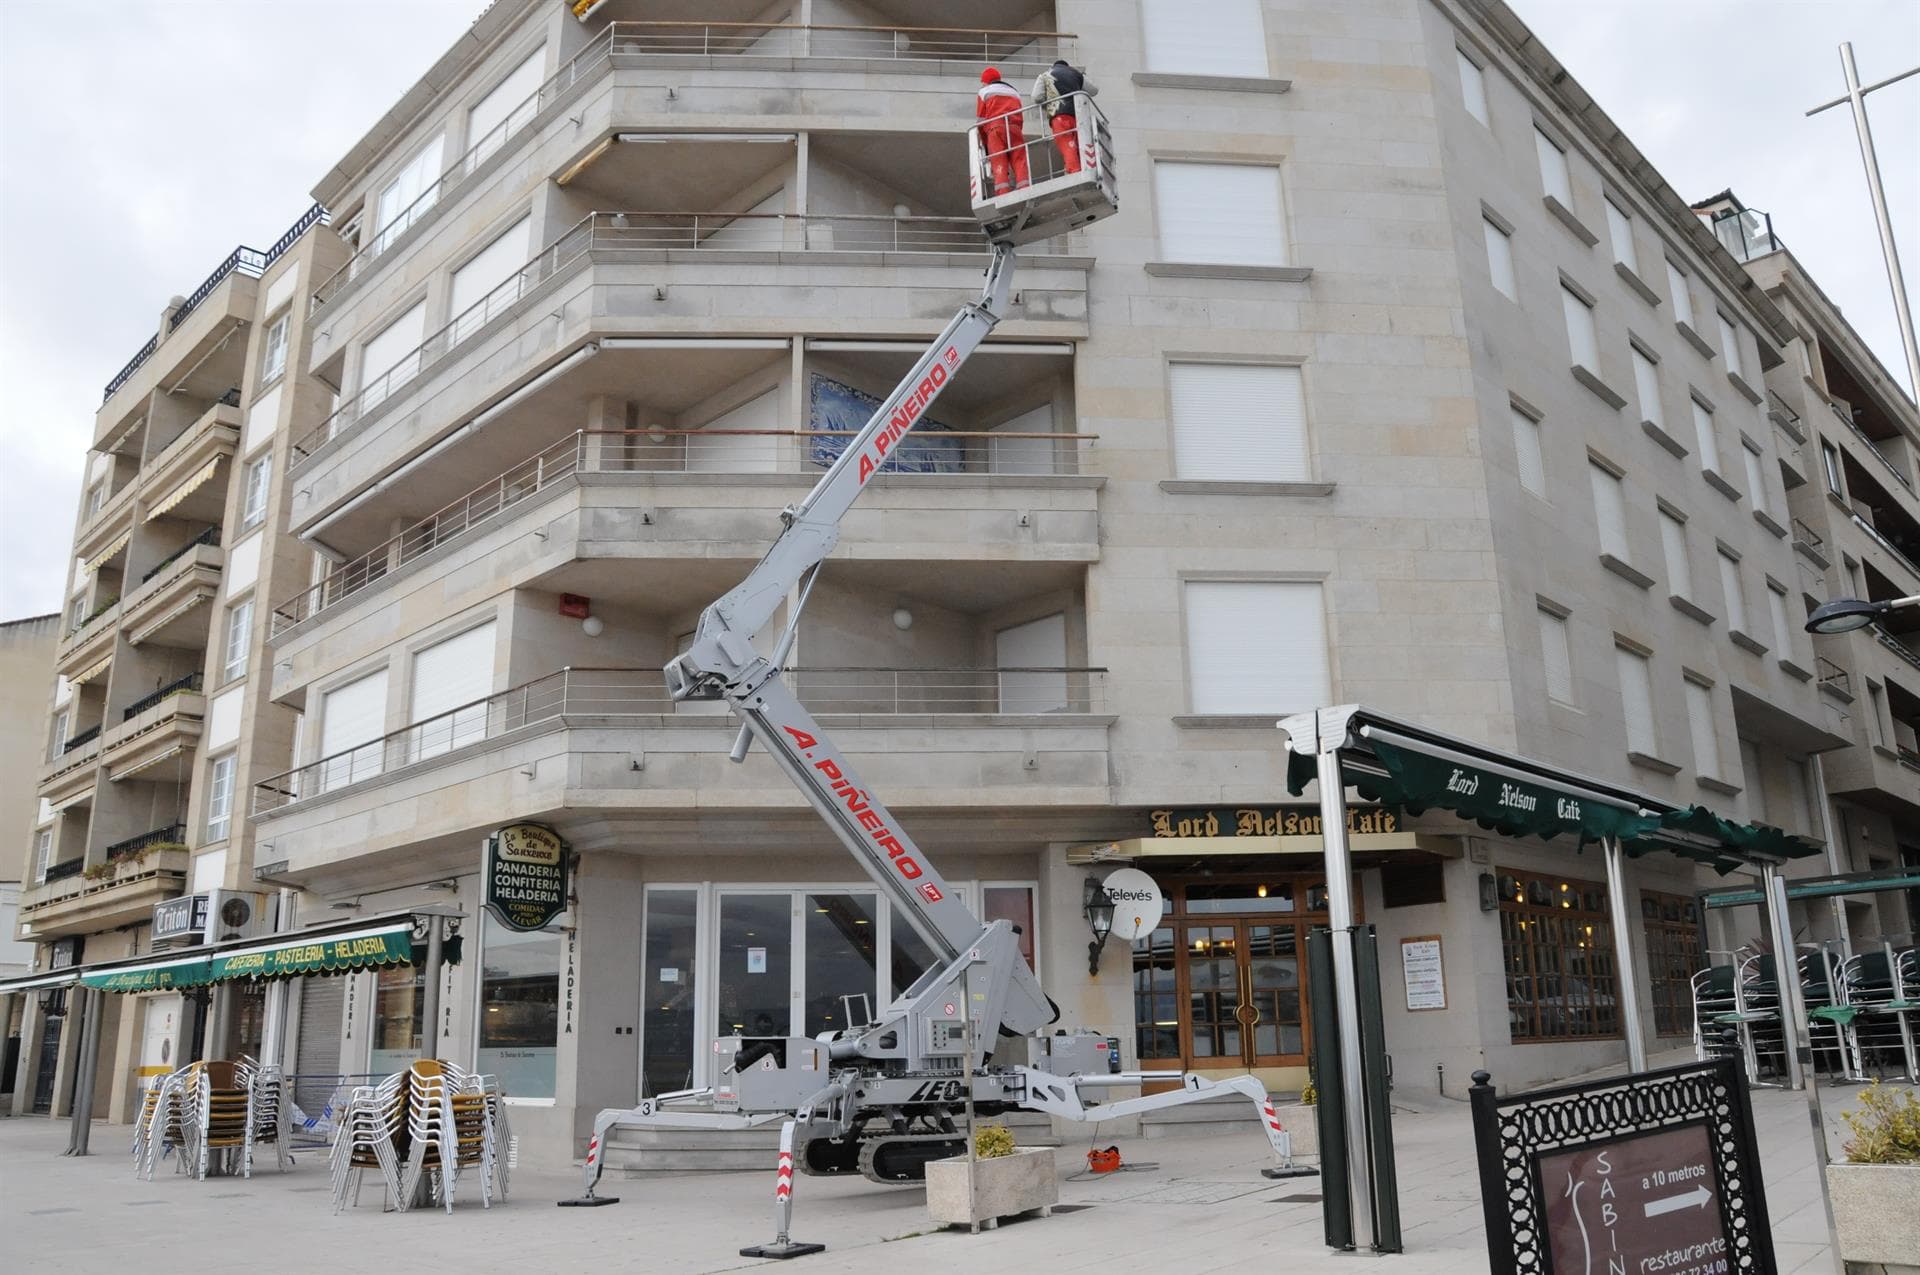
(1050,195)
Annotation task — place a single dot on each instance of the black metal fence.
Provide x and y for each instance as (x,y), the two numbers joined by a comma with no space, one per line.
(172,834)
(179,686)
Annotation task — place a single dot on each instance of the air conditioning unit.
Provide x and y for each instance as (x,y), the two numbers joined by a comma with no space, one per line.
(212,917)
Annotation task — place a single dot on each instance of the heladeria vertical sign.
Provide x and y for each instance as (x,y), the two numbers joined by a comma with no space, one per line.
(525,876)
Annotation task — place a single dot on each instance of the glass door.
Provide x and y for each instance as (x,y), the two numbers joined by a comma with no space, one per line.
(1243,993)
(756,965)
(1271,973)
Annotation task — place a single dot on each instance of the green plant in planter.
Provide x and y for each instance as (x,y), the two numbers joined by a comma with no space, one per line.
(1886,1129)
(992,1141)
(1309,1095)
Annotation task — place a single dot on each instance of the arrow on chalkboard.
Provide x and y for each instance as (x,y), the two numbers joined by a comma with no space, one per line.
(1696,1198)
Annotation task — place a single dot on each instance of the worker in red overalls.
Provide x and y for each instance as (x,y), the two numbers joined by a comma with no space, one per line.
(1053,93)
(1002,133)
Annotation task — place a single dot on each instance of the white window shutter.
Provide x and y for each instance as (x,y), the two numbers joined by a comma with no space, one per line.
(1500,260)
(1703,434)
(1756,478)
(1636,701)
(448,679)
(1620,230)
(1256,646)
(1610,512)
(1038,644)
(1729,344)
(481,278)
(753,230)
(1735,592)
(1024,455)
(506,110)
(1473,88)
(351,716)
(1223,214)
(1646,383)
(392,357)
(1554,176)
(1682,299)
(1526,448)
(1706,742)
(1557,655)
(1205,37)
(1782,627)
(1237,421)
(1581,341)
(1673,544)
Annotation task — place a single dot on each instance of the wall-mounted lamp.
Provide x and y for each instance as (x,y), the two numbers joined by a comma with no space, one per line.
(902,619)
(1489,893)
(1097,907)
(593,626)
(447,886)
(656,434)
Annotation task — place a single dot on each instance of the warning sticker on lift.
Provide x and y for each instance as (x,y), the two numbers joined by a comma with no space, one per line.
(1646,1204)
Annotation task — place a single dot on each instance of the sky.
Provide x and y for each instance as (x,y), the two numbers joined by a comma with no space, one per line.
(141,141)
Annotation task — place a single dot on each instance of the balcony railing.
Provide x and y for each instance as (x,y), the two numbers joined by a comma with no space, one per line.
(1832,677)
(172,834)
(211,536)
(647,453)
(613,237)
(1807,537)
(1880,539)
(179,686)
(590,697)
(76,742)
(1898,647)
(1746,232)
(61,871)
(1873,447)
(1785,417)
(244,260)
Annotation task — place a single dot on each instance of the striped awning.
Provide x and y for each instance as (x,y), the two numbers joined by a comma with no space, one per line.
(40,982)
(90,672)
(99,560)
(185,489)
(119,773)
(334,950)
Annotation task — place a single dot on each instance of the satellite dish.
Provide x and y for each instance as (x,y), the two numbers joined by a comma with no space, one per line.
(1138,904)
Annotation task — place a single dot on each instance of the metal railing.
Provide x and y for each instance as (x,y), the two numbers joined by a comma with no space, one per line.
(1746,232)
(620,236)
(61,871)
(76,742)
(1879,538)
(591,696)
(1898,647)
(211,536)
(1785,417)
(172,834)
(1847,420)
(244,260)
(1831,676)
(644,454)
(179,686)
(1808,537)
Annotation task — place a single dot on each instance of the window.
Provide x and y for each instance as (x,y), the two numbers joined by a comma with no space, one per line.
(42,853)
(253,505)
(1756,478)
(352,719)
(1782,627)
(1500,259)
(406,198)
(668,1025)
(399,1002)
(391,358)
(520,1007)
(60,732)
(1753,781)
(505,110)
(1636,701)
(1700,725)
(1556,655)
(1526,447)
(220,799)
(1227,214)
(233,660)
(1554,176)
(1557,942)
(1620,230)
(1729,344)
(1242,422)
(1673,546)
(1473,87)
(1673,957)
(1610,510)
(1830,460)
(1256,646)
(451,681)
(1734,592)
(96,499)
(1581,341)
(1646,383)
(478,287)
(274,361)
(1703,435)
(1217,37)
(1876,715)
(1682,301)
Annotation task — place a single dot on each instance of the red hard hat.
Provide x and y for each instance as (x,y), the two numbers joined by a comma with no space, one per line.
(989,76)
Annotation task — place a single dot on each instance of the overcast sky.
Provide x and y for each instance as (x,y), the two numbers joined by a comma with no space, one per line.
(142,140)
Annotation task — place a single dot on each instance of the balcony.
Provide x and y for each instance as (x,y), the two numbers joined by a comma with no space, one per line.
(85,653)
(70,776)
(165,608)
(156,728)
(177,480)
(120,890)
(1035,476)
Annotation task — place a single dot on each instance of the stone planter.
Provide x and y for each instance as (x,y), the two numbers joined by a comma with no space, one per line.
(1002,1187)
(1876,1211)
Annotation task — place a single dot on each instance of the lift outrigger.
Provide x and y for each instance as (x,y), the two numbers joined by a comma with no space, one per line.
(884,1098)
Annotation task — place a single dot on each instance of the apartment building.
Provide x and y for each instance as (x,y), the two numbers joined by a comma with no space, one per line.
(26,666)
(156,716)
(1848,436)
(1399,378)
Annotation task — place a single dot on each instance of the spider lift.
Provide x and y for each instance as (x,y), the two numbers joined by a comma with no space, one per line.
(885,1098)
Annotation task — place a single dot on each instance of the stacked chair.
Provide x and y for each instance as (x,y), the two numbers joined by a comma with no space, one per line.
(220,1105)
(270,1115)
(423,1125)
(1736,1011)
(1882,987)
(163,1121)
(369,1133)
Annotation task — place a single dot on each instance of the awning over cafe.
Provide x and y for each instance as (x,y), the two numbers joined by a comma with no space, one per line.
(39,982)
(364,943)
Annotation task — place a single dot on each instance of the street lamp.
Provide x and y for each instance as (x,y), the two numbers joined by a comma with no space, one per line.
(1844,615)
(1097,905)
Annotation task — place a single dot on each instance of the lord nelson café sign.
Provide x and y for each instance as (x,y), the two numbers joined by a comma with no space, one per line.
(1270,821)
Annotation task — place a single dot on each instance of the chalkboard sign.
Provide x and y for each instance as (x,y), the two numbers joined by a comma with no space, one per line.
(1654,1172)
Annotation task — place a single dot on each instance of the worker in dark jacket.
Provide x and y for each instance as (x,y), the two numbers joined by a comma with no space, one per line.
(999,106)
(1053,93)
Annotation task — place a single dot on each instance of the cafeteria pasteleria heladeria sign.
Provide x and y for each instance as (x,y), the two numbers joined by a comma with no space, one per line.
(526,876)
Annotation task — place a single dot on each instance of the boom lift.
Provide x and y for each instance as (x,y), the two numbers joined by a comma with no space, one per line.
(886,1097)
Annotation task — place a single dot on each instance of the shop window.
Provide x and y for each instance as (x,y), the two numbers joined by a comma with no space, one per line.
(1672,923)
(668,1022)
(1557,943)
(912,955)
(399,998)
(1156,998)
(519,1008)
(841,960)
(756,965)
(1011,903)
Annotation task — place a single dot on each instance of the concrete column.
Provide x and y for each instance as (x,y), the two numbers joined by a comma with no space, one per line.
(430,989)
(1626,976)
(23,1077)
(87,1010)
(1346,993)
(604,413)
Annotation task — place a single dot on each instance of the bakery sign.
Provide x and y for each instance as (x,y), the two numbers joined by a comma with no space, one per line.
(1264,821)
(525,876)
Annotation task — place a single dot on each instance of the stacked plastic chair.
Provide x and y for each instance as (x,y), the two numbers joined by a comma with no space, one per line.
(165,1121)
(450,1127)
(1881,987)
(270,1123)
(370,1133)
(221,1105)
(1736,1011)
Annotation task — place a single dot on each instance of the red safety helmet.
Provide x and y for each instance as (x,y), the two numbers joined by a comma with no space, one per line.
(989,76)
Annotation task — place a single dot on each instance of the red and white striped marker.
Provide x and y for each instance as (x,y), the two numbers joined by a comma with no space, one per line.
(783,1178)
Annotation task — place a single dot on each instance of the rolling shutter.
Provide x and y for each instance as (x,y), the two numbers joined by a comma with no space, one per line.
(1204,37)
(1636,701)
(1557,656)
(504,111)
(1238,422)
(382,358)
(352,715)
(1673,544)
(1256,647)
(1526,448)
(479,280)
(1646,383)
(1227,214)
(1706,744)
(448,676)
(1610,511)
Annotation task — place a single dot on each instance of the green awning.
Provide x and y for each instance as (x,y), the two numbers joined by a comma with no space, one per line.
(291,956)
(152,976)
(1821,888)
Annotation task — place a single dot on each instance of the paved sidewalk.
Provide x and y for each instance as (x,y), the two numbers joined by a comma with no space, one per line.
(1203,1209)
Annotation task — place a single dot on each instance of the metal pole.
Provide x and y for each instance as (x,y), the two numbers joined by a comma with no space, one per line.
(1786,971)
(1858,100)
(430,998)
(86,1068)
(966,1036)
(1626,977)
(1346,994)
(1837,902)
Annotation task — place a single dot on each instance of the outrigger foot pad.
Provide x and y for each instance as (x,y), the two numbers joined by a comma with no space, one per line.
(782,1249)
(1291,1171)
(589,1202)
